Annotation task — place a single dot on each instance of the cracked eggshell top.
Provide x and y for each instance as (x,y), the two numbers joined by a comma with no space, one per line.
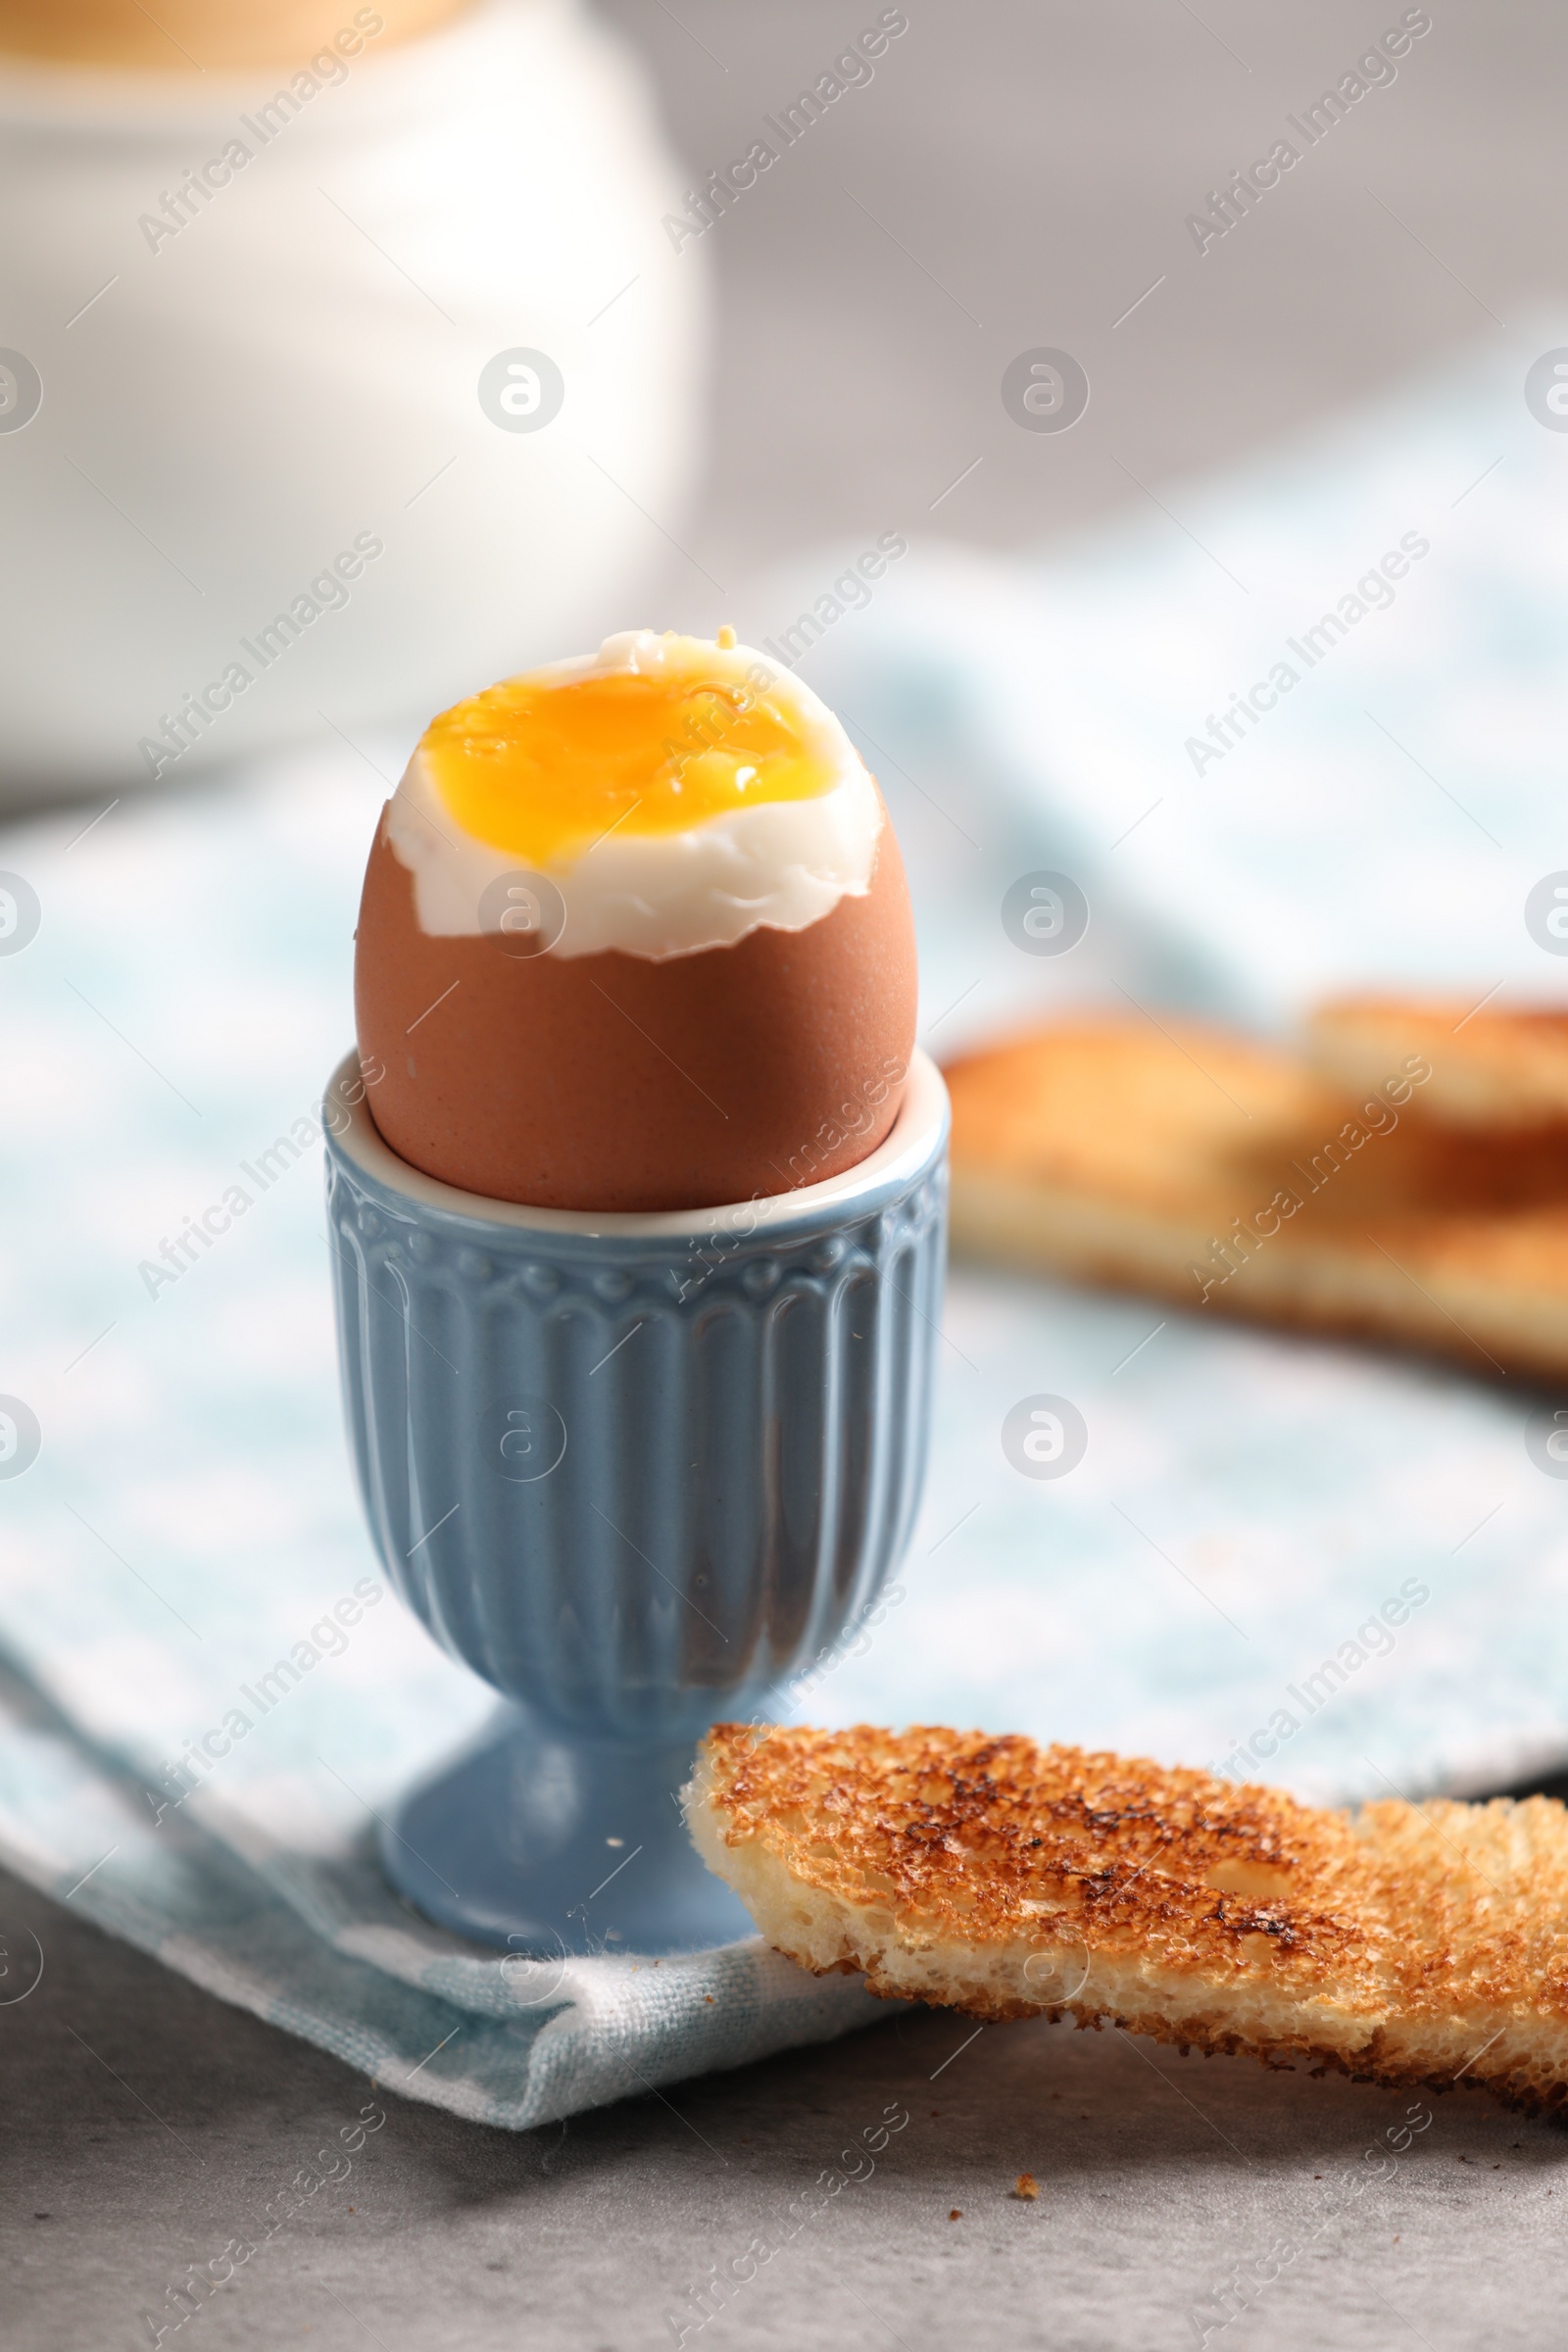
(709,995)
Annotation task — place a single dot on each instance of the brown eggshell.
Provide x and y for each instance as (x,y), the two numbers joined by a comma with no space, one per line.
(614,1082)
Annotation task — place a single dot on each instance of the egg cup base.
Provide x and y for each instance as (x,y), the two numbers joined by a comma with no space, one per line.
(547,1846)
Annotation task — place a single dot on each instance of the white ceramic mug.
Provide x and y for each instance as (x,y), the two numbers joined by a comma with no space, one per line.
(251,485)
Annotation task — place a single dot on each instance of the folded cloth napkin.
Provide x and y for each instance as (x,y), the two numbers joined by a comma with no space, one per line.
(1292,1561)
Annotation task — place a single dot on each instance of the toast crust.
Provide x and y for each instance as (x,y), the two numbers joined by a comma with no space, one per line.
(1405,1945)
(1501,1067)
(1224,1175)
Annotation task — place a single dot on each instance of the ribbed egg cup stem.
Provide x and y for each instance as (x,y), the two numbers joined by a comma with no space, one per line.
(635,1471)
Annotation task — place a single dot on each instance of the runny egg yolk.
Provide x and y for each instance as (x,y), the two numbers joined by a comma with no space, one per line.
(543,768)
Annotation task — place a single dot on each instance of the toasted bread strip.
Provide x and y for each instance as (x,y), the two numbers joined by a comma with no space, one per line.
(1406,1945)
(1221,1173)
(1504,1067)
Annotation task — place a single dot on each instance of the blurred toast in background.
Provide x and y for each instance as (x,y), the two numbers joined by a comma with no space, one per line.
(1226,1175)
(1500,1068)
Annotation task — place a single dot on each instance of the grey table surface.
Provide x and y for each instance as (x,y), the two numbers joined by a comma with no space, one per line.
(1017,175)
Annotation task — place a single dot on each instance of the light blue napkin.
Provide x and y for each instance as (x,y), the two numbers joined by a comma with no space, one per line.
(1261,1528)
(1382,822)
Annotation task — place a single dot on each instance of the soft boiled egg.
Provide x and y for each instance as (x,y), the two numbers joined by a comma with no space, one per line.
(636,936)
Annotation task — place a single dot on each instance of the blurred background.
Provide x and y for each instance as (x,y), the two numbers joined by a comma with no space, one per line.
(1018,175)
(237,380)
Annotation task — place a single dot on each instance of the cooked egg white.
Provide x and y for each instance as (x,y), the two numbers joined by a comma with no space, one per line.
(678,793)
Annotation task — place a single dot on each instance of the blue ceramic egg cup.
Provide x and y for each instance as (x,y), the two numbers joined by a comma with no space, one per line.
(634,1471)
